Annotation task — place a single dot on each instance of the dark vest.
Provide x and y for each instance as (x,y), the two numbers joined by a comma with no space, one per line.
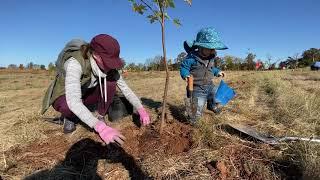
(202,71)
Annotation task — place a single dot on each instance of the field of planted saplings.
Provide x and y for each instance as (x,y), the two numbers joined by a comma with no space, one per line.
(272,104)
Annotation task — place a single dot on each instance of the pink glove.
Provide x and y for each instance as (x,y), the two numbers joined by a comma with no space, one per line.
(144,117)
(108,134)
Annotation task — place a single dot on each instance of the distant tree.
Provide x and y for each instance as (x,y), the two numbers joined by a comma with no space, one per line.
(237,62)
(170,64)
(309,56)
(30,65)
(42,67)
(131,67)
(229,63)
(219,63)
(21,66)
(51,67)
(268,63)
(12,66)
(140,67)
(154,64)
(249,60)
(234,63)
(36,66)
(272,66)
(243,66)
(135,67)
(292,62)
(178,60)
(148,63)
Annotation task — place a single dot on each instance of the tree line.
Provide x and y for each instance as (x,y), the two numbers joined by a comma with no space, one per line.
(228,62)
(31,66)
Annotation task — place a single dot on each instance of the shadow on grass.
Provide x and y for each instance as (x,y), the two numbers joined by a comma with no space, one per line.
(176,111)
(150,103)
(81,162)
(288,170)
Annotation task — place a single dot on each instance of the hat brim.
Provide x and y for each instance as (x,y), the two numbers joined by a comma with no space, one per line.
(188,46)
(110,63)
(218,45)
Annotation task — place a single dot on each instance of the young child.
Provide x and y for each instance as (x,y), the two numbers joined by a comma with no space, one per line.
(199,64)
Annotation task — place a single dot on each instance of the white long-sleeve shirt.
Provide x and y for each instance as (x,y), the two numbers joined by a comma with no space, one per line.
(73,92)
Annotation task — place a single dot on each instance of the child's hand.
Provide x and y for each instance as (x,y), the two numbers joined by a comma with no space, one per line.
(221,73)
(186,79)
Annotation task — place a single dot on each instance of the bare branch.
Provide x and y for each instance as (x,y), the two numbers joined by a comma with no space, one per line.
(148,6)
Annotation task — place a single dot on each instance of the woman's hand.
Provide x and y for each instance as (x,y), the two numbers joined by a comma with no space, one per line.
(108,134)
(144,116)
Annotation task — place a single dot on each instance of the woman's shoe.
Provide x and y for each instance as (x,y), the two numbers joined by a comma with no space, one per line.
(68,126)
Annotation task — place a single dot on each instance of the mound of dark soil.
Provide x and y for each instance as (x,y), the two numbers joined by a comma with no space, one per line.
(175,139)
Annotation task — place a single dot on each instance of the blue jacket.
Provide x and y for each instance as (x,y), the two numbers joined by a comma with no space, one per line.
(202,71)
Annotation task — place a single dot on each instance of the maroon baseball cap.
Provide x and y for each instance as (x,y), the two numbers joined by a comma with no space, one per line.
(108,49)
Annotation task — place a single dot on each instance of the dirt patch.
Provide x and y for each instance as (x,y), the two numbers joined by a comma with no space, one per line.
(175,139)
(245,162)
(218,169)
(57,152)
(37,155)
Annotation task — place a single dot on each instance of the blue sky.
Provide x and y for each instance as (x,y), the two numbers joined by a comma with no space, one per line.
(36,30)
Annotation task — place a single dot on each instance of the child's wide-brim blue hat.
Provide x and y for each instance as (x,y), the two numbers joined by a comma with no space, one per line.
(208,38)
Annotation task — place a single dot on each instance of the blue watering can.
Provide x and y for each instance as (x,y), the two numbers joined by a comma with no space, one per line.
(224,93)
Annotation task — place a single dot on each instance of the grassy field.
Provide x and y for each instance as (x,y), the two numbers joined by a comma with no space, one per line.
(279,103)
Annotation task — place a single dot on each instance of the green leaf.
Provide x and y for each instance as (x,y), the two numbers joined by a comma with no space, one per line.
(158,14)
(166,16)
(139,8)
(152,18)
(177,22)
(131,1)
(170,3)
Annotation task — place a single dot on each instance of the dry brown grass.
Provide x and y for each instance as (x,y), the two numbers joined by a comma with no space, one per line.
(273,102)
